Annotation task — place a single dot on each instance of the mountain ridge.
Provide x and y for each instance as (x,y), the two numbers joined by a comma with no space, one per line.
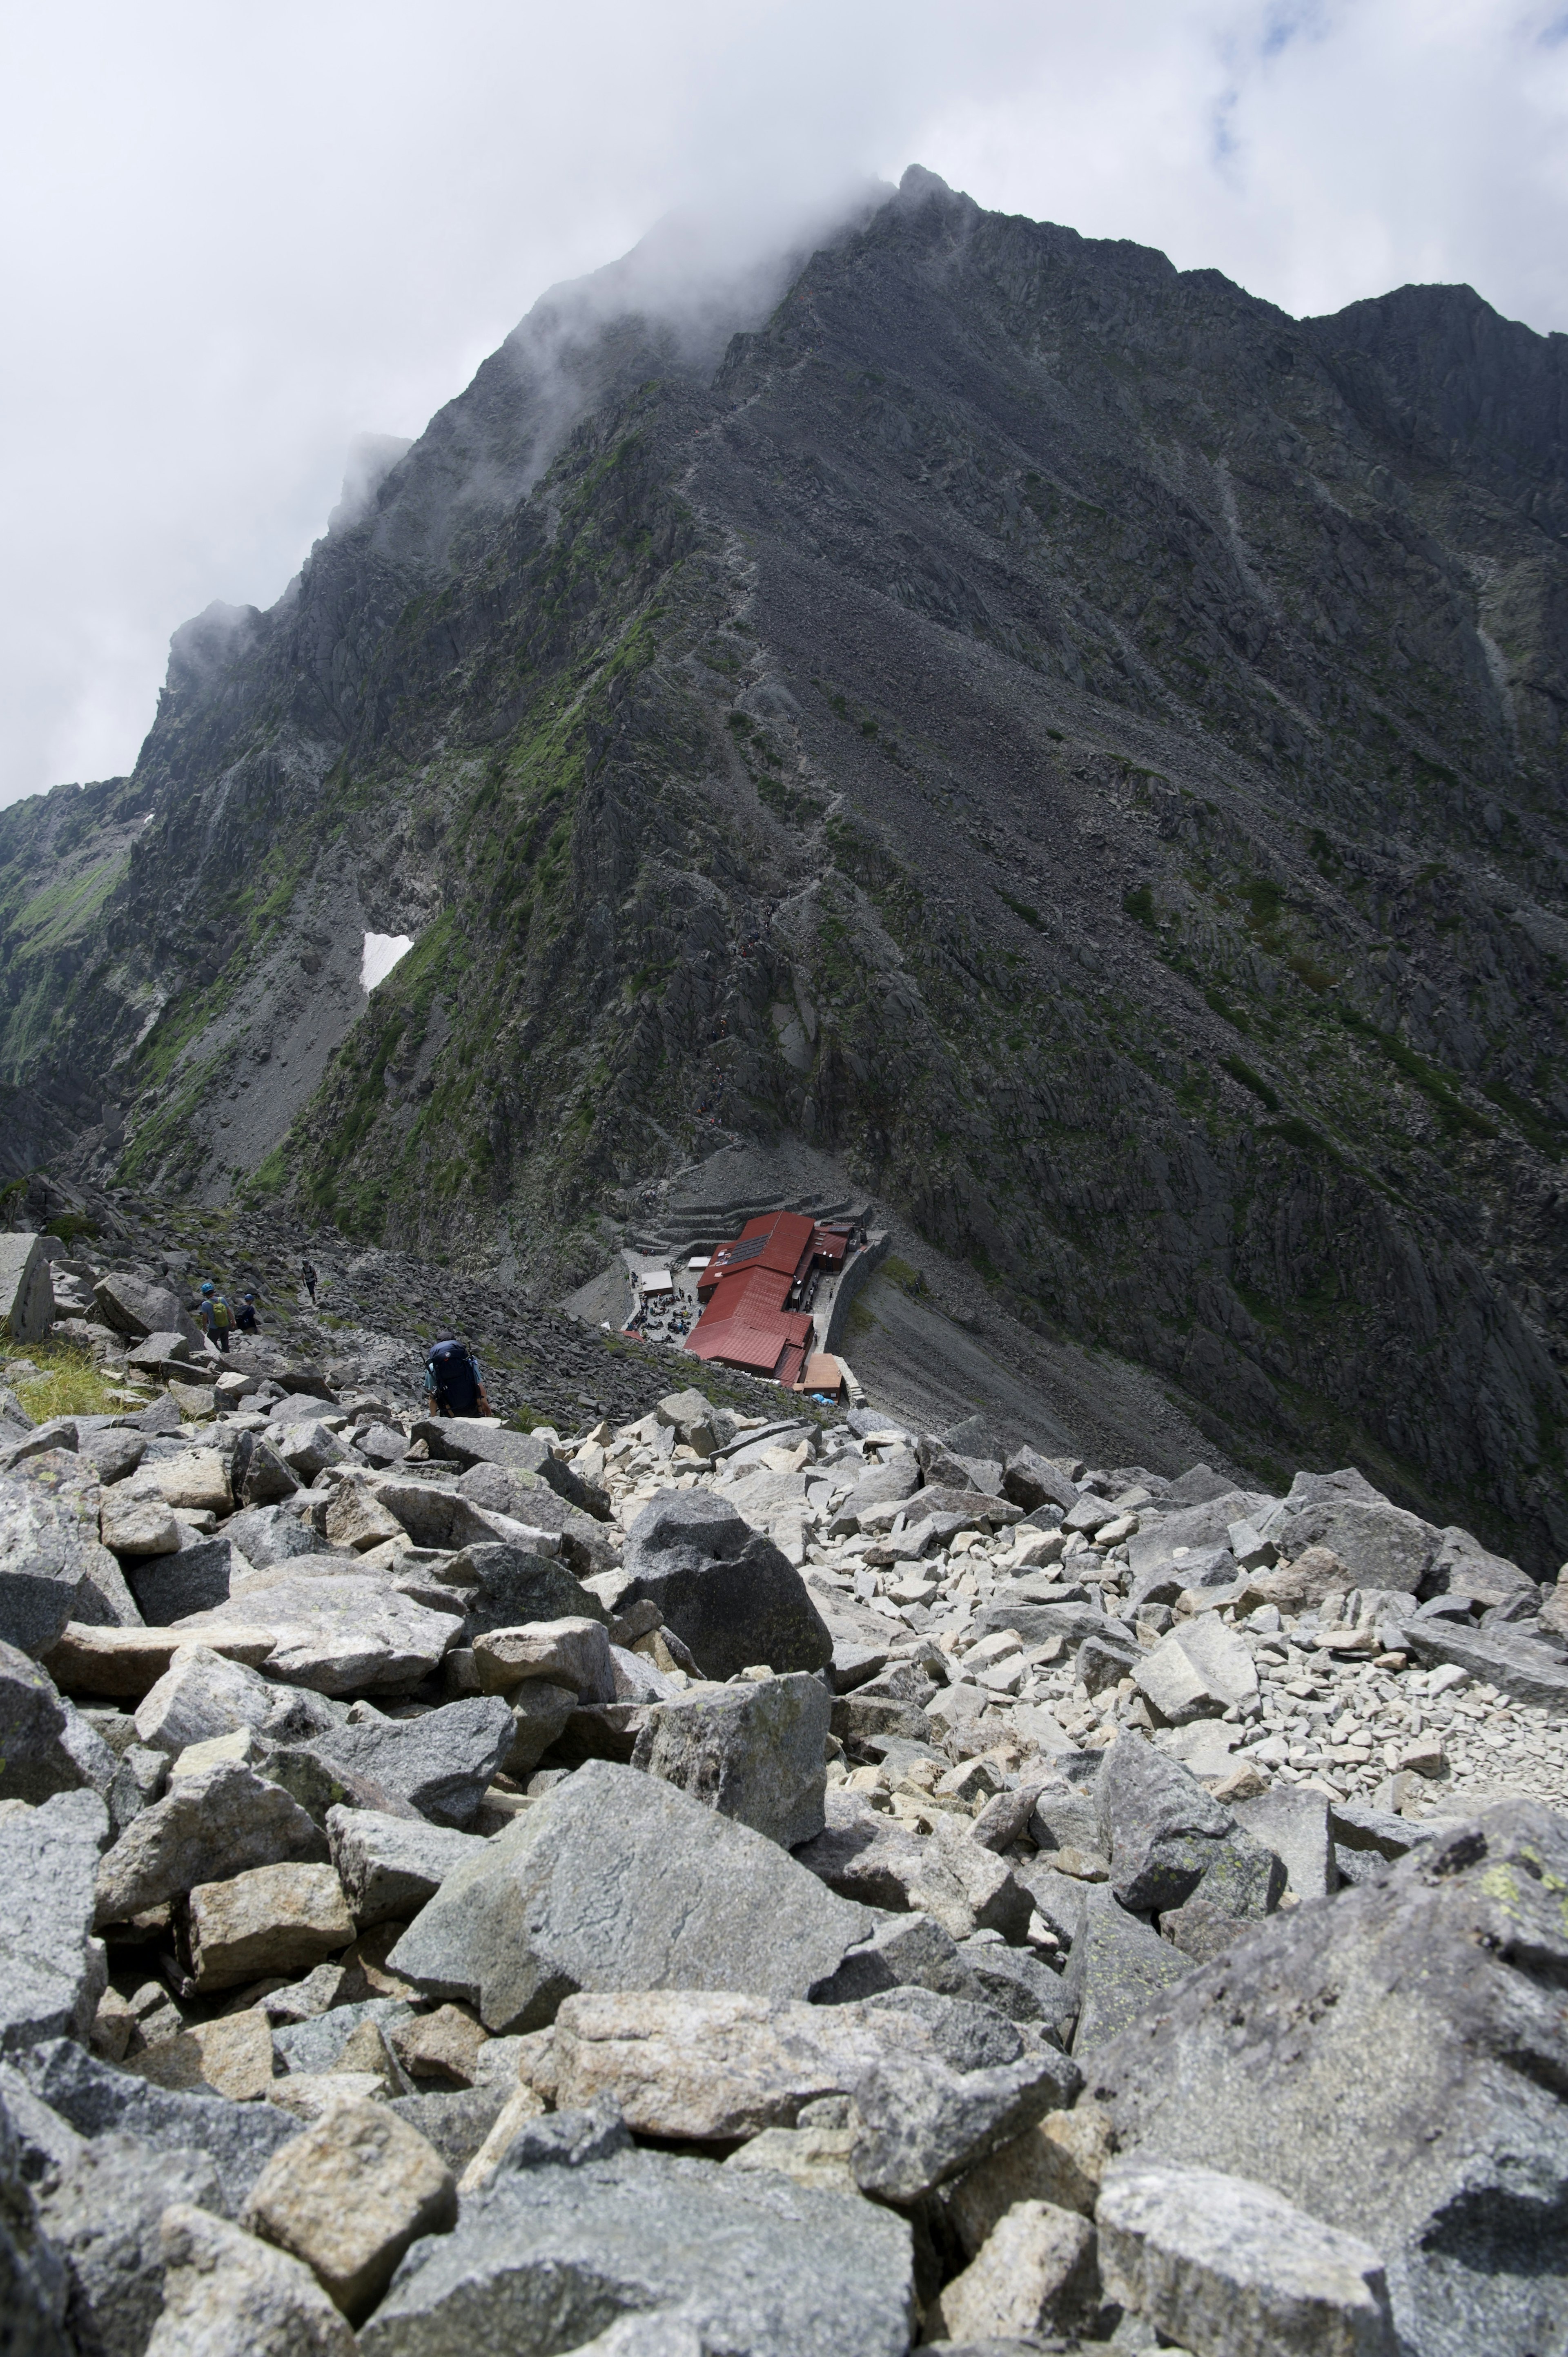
(1051,730)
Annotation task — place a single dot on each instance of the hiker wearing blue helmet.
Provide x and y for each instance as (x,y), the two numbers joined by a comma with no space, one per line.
(214,1316)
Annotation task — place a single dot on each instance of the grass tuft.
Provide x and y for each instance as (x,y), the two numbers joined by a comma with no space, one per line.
(68,1382)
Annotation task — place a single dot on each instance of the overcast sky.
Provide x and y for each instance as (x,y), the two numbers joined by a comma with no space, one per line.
(232,238)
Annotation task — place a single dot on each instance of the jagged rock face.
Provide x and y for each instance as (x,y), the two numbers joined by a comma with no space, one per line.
(1082,745)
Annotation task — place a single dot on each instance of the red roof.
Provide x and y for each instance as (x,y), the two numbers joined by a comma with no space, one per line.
(778,1241)
(745,1323)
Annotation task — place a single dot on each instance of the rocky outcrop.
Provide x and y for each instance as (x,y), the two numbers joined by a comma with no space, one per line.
(1072,741)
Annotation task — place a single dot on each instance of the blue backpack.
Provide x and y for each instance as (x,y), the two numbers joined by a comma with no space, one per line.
(451,1375)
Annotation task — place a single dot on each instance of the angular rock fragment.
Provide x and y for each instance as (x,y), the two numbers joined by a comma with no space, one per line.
(228,2295)
(904,1951)
(1062,2161)
(347,1635)
(52,1971)
(193,1579)
(220,1823)
(102,2213)
(446,2046)
(201,1694)
(540,1713)
(320,2043)
(1436,1970)
(389,1866)
(51,1568)
(1380,1544)
(128,1663)
(1117,1969)
(702,1903)
(754,1752)
(730,1595)
(348,2197)
(272,1919)
(1035,2274)
(574,1651)
(441,1763)
(97,2100)
(1293,1821)
(455,2120)
(737,2260)
(926,2118)
(867,1856)
(231,2056)
(1199,1671)
(1167,1835)
(46,1745)
(504,1586)
(134,1523)
(1221,2263)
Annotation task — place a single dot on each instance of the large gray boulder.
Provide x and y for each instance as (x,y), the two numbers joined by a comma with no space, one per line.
(193,1579)
(226,2290)
(96,2099)
(343,1635)
(1166,1836)
(134,1308)
(1220,2264)
(1167,1540)
(937,2082)
(755,1753)
(33,2287)
(27,1295)
(503,1586)
(259,1478)
(201,1694)
(1031,1481)
(588,1544)
(1117,1970)
(441,1763)
(1379,1544)
(269,1535)
(389,1866)
(1037,1624)
(50,1568)
(466,1441)
(1393,2064)
(871,1858)
(1462,1567)
(46,1745)
(730,1595)
(1533,1674)
(925,2117)
(103,2215)
(52,1971)
(211,1827)
(698,1902)
(70,1486)
(549,2257)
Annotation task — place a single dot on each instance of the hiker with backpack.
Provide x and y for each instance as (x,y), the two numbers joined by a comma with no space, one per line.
(453,1379)
(214,1316)
(245,1316)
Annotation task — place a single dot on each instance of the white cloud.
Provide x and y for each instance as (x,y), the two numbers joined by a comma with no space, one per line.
(232,242)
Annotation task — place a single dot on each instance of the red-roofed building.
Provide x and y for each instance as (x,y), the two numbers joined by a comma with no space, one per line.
(757,1295)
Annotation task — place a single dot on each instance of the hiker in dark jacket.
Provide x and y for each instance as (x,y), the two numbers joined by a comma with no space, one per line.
(309,1273)
(214,1316)
(245,1316)
(453,1379)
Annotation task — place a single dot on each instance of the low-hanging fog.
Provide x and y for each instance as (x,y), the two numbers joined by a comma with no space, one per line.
(235,245)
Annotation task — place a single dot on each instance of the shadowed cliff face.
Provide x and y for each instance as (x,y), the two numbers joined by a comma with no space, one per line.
(1081,746)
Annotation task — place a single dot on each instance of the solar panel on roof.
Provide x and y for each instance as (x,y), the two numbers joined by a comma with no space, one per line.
(735,1253)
